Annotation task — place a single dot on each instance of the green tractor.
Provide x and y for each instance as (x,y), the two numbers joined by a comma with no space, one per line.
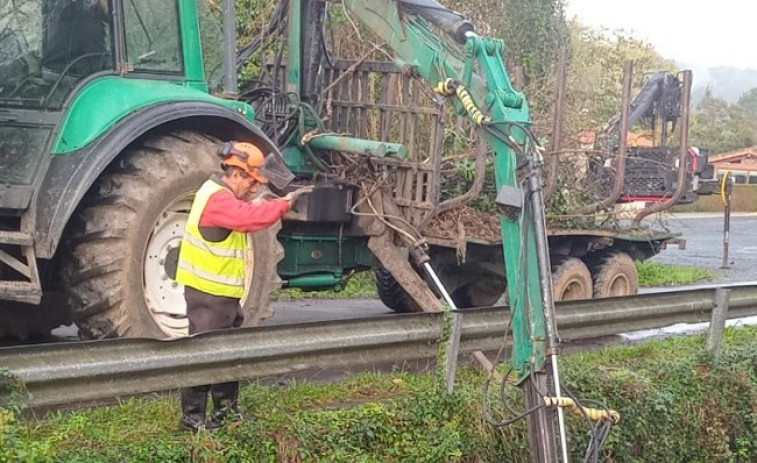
(110,115)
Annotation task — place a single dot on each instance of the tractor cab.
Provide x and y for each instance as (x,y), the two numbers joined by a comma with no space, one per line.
(80,82)
(50,50)
(48,47)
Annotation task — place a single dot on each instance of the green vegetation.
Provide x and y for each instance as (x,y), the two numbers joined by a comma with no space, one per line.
(743,199)
(12,391)
(362,285)
(656,274)
(721,126)
(676,405)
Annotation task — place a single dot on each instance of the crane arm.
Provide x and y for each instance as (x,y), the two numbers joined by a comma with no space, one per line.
(658,101)
(478,78)
(503,114)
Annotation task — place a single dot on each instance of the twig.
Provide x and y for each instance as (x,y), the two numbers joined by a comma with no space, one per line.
(350,69)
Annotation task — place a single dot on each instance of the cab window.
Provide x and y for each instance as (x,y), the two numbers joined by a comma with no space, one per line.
(153,37)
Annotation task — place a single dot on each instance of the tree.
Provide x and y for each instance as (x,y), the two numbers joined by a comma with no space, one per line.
(595,83)
(533,32)
(720,126)
(748,102)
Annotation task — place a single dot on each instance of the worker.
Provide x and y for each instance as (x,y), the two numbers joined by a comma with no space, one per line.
(212,264)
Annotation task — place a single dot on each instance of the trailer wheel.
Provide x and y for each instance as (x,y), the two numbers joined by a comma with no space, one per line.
(484,291)
(615,275)
(123,241)
(571,279)
(481,292)
(392,294)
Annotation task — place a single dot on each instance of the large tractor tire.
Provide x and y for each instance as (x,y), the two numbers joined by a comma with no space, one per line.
(571,279)
(615,275)
(123,242)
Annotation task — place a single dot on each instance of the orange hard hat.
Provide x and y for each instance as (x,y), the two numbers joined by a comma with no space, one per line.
(245,156)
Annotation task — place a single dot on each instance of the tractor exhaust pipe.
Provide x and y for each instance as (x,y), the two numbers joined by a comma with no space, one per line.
(229,48)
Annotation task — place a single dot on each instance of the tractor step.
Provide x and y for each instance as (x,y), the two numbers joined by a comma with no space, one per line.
(16,238)
(20,291)
(19,276)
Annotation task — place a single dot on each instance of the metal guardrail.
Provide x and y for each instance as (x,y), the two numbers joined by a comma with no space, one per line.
(63,373)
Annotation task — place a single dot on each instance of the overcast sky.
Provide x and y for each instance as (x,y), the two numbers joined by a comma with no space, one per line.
(699,32)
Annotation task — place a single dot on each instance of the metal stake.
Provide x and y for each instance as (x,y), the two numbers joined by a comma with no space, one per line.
(545,275)
(453,343)
(229,48)
(727,189)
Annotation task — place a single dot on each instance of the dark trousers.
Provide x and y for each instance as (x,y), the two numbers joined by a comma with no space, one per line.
(206,313)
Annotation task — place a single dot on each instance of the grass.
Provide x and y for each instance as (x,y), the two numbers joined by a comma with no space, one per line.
(361,286)
(656,274)
(677,405)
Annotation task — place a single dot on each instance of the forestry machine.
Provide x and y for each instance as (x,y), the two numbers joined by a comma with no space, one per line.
(653,166)
(111,112)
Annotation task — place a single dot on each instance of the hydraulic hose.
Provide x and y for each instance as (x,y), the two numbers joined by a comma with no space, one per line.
(449,21)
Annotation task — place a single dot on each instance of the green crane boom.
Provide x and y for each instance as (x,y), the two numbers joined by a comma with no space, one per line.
(505,125)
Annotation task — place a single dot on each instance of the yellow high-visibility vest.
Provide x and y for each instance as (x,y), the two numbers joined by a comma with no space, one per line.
(216,268)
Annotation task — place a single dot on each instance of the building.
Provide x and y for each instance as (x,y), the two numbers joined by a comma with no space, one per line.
(742,164)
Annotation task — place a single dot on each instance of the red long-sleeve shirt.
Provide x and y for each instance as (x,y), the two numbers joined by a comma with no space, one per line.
(224,210)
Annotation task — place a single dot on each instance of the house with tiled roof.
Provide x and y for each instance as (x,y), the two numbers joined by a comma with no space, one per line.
(741,163)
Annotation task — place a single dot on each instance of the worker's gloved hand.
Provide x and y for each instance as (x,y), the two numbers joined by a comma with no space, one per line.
(293,196)
(290,197)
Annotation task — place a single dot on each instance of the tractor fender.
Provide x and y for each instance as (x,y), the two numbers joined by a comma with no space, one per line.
(70,176)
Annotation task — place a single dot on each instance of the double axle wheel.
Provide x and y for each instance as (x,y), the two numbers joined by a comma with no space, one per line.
(607,274)
(610,274)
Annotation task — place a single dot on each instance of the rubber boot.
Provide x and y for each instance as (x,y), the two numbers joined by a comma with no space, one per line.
(194,401)
(225,398)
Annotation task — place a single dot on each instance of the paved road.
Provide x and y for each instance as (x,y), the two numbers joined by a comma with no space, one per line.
(704,245)
(309,310)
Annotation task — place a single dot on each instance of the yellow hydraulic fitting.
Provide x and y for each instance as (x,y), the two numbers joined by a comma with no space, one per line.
(470,106)
(446,88)
(451,87)
(594,414)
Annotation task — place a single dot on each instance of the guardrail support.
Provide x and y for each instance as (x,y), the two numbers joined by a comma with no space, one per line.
(717,324)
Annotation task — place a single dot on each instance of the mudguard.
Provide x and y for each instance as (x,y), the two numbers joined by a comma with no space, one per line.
(70,176)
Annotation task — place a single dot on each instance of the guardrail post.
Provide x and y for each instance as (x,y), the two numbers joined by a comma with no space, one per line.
(453,351)
(717,324)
